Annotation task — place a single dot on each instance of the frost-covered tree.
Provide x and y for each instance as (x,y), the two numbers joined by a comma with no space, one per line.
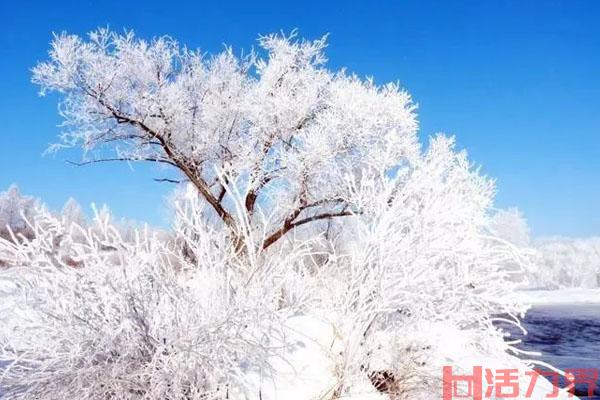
(510,224)
(564,262)
(553,262)
(15,210)
(72,213)
(309,199)
(278,124)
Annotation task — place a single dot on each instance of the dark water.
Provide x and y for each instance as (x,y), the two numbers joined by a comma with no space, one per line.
(568,337)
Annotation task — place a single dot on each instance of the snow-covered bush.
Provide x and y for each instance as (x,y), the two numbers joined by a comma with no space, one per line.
(309,198)
(135,319)
(420,252)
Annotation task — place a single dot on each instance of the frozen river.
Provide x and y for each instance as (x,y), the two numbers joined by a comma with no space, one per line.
(568,336)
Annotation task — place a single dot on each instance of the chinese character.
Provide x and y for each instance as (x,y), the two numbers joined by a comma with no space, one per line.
(587,376)
(555,377)
(473,383)
(506,384)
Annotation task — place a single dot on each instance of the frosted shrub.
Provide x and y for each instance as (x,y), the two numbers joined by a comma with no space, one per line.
(133,319)
(421,253)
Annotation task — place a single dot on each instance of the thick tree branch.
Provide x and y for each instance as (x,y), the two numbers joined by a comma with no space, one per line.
(182,165)
(275,236)
(252,195)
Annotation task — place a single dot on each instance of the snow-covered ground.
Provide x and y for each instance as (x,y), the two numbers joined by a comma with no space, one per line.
(560,296)
(307,371)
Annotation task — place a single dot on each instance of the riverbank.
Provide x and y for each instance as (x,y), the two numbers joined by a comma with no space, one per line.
(560,296)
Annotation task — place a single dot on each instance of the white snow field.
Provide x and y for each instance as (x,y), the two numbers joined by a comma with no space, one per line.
(559,296)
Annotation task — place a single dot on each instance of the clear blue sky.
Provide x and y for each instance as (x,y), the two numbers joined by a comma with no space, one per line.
(516,81)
